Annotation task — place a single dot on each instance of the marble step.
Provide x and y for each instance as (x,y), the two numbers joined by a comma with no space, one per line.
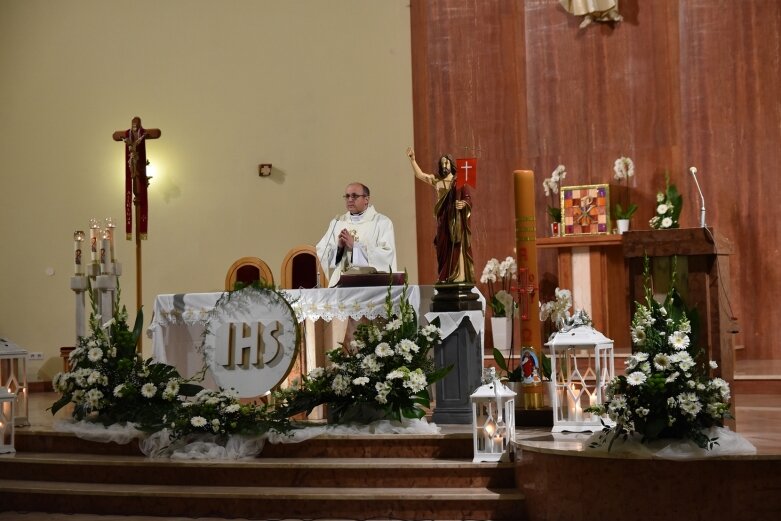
(281,472)
(254,502)
(455,445)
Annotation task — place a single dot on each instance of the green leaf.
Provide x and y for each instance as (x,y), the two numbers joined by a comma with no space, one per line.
(59,404)
(499,359)
(138,327)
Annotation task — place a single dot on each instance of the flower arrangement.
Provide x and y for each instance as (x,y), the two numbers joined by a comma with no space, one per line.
(110,383)
(668,207)
(666,391)
(499,276)
(551,187)
(220,413)
(384,371)
(624,168)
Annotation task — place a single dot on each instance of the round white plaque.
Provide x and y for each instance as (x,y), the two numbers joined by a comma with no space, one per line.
(251,341)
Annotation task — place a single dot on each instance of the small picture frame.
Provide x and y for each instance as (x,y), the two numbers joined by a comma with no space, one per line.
(585,210)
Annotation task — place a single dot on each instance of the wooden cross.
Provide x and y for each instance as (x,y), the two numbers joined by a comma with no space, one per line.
(136,183)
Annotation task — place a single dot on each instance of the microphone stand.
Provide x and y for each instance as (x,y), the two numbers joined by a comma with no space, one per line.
(693,172)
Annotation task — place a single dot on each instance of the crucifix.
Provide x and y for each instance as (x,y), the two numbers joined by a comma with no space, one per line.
(136,183)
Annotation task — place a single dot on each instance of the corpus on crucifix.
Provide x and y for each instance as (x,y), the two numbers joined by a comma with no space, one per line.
(136,183)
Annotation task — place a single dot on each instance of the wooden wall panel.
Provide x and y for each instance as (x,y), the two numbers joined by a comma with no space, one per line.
(678,83)
(468,85)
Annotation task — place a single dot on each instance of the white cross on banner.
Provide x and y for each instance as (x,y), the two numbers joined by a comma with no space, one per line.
(467,172)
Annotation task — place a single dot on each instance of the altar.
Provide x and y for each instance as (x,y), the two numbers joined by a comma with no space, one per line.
(179,321)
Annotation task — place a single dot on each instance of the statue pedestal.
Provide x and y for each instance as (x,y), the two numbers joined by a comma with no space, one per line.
(455,296)
(462,348)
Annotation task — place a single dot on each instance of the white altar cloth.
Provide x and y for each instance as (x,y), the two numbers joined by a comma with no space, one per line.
(179,320)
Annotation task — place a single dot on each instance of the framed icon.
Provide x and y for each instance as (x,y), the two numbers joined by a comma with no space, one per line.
(585,210)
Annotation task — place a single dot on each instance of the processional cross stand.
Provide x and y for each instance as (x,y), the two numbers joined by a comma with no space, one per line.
(136,183)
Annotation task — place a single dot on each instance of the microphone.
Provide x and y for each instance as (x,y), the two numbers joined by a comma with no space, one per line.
(693,172)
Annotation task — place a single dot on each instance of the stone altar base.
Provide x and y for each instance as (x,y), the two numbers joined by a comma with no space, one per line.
(463,350)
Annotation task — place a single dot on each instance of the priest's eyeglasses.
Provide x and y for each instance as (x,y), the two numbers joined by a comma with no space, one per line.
(353,196)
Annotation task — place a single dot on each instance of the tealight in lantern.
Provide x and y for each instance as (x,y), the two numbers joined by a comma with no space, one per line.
(581,367)
(13,377)
(493,419)
(7,403)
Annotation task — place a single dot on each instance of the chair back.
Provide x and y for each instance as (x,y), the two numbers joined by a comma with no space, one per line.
(301,269)
(248,270)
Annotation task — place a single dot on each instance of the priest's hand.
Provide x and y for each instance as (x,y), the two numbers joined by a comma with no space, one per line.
(346,239)
(460,204)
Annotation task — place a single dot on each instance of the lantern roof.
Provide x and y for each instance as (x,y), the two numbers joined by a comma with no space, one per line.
(582,335)
(10,350)
(493,389)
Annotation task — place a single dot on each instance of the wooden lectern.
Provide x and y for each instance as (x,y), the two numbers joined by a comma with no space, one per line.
(703,280)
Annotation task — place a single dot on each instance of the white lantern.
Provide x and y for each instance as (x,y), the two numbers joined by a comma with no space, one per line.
(13,376)
(493,419)
(7,409)
(581,367)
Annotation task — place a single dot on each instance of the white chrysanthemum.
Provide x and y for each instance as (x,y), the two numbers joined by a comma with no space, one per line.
(642,411)
(118,390)
(58,382)
(172,386)
(645,367)
(361,380)
(654,222)
(636,378)
(198,421)
(667,222)
(673,377)
(722,386)
(641,356)
(382,388)
(672,403)
(692,408)
(341,385)
(315,373)
(393,325)
(416,381)
(93,397)
(383,349)
(679,340)
(713,364)
(214,400)
(94,354)
(691,384)
(357,345)
(232,408)
(395,374)
(662,362)
(370,364)
(661,209)
(431,332)
(684,326)
(638,336)
(148,390)
(95,377)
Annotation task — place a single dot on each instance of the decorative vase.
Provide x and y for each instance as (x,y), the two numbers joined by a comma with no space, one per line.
(502,328)
(622,225)
(554,229)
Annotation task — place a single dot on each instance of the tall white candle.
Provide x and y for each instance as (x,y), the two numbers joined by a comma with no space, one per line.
(94,231)
(110,225)
(78,242)
(104,253)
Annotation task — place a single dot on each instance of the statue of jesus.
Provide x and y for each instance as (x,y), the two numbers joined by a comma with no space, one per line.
(453,209)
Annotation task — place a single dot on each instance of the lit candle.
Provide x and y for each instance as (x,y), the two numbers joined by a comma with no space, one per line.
(94,231)
(578,412)
(104,253)
(78,241)
(498,443)
(110,225)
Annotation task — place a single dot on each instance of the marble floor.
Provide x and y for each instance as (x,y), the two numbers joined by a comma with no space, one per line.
(758,418)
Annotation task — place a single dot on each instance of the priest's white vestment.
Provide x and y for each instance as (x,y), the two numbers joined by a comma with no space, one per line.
(375,243)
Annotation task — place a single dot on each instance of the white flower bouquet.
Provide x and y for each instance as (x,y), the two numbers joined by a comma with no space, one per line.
(668,207)
(666,391)
(384,371)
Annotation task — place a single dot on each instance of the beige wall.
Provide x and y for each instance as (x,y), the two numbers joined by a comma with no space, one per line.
(320,89)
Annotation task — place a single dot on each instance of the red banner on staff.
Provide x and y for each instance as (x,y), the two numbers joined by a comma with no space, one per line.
(467,172)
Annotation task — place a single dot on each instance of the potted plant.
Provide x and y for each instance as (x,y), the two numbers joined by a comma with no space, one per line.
(623,169)
(551,187)
(498,276)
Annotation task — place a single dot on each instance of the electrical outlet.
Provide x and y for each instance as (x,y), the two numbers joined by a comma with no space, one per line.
(35,356)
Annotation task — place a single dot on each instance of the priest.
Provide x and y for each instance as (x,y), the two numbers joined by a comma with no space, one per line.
(361,237)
